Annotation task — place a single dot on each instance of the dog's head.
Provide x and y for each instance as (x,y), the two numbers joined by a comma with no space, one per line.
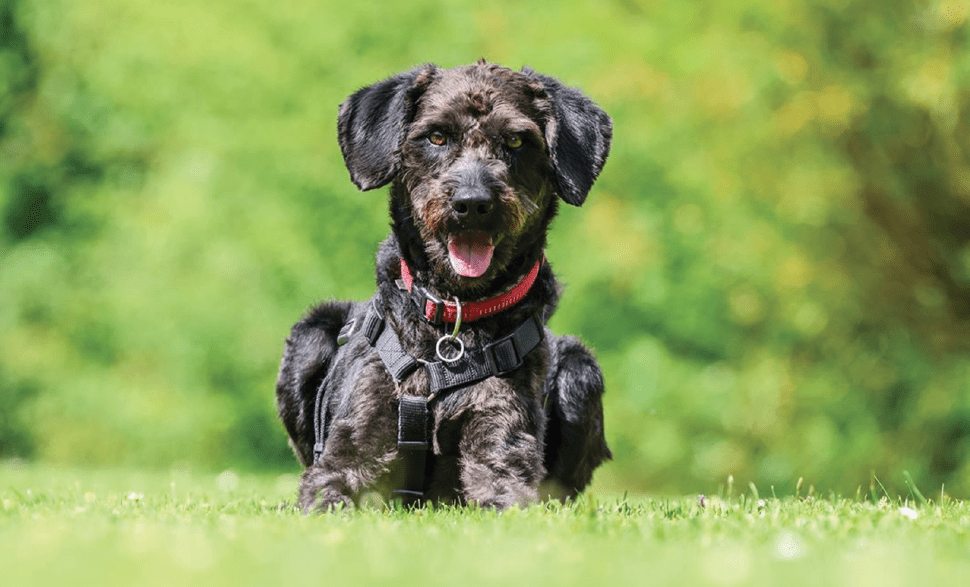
(479,156)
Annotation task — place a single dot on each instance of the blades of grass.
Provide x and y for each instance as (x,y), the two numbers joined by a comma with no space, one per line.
(913,489)
(872,488)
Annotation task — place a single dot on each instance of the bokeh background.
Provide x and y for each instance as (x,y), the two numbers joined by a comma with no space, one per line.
(774,267)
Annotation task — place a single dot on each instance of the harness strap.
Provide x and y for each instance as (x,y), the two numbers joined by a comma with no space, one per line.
(320,421)
(496,359)
(412,445)
(388,346)
(397,361)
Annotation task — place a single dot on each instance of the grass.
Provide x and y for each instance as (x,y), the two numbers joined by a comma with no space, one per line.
(118,527)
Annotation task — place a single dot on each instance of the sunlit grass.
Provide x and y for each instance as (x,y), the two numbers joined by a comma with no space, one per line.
(134,528)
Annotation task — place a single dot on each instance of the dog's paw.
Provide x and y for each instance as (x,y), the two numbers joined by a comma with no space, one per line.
(323,501)
(318,493)
(501,496)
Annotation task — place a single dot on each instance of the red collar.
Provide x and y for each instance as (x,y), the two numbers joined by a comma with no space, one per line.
(436,310)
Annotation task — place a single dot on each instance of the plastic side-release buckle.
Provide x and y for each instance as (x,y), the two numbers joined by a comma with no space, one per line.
(421,296)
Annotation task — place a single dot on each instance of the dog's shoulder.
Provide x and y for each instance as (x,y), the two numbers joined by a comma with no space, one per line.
(315,334)
(573,365)
(310,348)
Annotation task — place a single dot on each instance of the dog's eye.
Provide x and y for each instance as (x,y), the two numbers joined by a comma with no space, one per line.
(437,139)
(513,141)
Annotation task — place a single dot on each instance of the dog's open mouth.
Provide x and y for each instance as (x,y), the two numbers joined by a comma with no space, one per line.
(470,252)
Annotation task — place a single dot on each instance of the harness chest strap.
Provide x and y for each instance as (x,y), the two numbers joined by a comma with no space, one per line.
(496,359)
(412,445)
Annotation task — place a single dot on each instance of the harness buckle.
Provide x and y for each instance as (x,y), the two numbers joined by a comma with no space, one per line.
(503,356)
(421,296)
(506,354)
(348,329)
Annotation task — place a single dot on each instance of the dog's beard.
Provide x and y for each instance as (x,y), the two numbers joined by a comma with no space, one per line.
(470,252)
(464,258)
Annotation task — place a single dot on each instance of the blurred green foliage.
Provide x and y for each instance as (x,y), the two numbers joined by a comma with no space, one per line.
(774,268)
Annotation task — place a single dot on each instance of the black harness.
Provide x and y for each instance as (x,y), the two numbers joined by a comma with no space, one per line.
(496,359)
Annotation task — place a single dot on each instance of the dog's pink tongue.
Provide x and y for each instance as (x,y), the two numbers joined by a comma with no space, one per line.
(470,253)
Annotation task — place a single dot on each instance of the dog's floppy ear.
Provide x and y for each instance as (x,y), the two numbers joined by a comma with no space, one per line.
(578,135)
(372,123)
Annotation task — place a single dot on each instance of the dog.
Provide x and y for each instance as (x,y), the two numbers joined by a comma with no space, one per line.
(446,386)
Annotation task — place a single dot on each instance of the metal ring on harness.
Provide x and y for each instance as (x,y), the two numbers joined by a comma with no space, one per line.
(453,336)
(461,349)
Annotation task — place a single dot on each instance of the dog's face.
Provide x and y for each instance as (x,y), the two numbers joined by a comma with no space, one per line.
(478,156)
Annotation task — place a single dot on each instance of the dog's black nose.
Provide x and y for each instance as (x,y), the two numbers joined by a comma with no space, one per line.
(472,202)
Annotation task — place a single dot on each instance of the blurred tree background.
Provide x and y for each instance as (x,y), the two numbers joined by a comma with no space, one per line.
(774,267)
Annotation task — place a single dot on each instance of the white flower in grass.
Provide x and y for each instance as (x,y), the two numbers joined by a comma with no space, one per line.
(909,512)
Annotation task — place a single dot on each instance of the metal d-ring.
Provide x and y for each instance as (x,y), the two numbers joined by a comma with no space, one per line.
(453,336)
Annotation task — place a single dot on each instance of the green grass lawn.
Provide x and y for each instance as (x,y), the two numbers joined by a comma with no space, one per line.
(120,527)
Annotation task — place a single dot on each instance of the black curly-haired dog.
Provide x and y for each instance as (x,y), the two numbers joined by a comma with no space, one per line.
(388,395)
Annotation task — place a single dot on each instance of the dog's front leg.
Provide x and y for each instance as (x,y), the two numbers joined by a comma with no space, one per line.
(354,459)
(359,450)
(501,458)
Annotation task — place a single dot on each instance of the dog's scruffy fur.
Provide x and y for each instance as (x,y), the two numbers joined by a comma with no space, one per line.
(474,148)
